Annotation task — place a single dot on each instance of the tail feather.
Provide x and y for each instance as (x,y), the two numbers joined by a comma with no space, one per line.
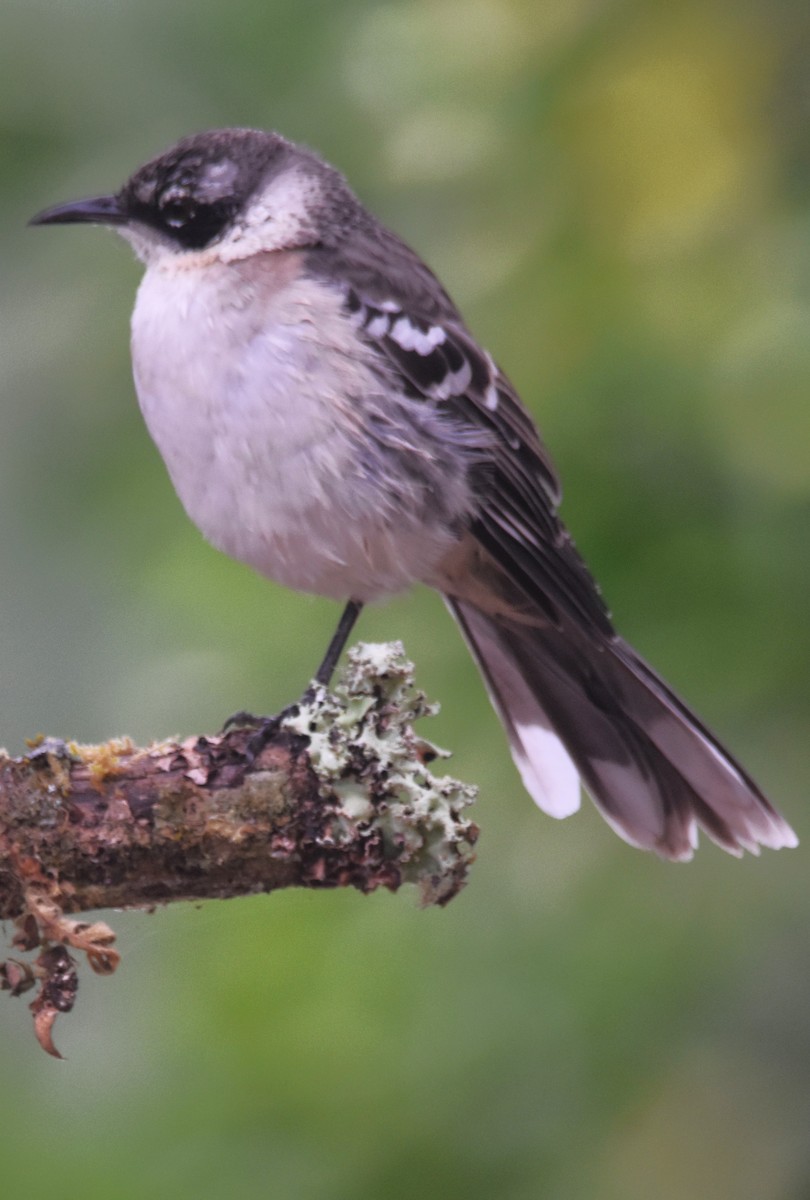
(545,766)
(577,706)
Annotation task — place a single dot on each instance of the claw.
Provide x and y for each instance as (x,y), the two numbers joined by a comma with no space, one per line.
(266,729)
(242,719)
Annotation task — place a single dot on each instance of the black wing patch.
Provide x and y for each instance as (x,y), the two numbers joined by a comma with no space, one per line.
(517,522)
(442,362)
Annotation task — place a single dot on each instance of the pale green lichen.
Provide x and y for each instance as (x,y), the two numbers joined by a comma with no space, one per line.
(363,747)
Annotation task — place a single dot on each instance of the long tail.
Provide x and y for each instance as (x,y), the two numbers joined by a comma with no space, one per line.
(577,708)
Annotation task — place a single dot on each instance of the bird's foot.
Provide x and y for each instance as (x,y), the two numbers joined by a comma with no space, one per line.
(265,728)
(264,732)
(242,720)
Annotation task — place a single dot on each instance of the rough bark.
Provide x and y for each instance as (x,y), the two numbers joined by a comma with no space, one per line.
(338,795)
(116,826)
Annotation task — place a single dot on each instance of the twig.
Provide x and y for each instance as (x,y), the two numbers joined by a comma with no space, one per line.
(339,796)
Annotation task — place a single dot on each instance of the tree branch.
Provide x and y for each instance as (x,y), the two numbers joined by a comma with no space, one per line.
(339,796)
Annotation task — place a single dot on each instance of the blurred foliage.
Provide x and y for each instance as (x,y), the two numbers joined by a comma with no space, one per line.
(617,195)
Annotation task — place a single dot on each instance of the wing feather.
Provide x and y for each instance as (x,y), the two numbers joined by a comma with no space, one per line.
(436,361)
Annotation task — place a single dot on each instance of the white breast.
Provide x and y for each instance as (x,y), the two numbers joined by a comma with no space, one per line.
(252,388)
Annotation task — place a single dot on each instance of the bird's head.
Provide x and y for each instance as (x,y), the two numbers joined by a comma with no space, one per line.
(228,192)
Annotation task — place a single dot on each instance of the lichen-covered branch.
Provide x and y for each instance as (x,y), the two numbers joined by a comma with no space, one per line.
(339,795)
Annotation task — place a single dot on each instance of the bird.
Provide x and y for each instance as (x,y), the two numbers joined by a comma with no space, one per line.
(327,417)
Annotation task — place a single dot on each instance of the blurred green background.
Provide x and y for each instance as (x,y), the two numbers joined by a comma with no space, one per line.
(616,193)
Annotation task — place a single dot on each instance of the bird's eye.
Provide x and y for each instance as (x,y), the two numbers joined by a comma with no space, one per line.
(178,211)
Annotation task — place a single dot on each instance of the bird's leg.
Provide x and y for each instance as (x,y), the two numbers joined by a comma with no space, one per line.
(339,639)
(266,727)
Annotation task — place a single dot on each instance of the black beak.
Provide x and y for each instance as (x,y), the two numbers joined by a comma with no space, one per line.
(100,210)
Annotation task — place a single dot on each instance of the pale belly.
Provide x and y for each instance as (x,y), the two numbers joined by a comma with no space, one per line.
(259,405)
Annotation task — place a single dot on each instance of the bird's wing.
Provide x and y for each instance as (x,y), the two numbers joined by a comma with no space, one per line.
(436,361)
